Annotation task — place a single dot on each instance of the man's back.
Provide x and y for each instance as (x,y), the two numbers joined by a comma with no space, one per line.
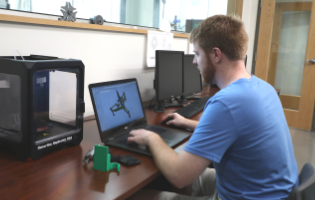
(244,132)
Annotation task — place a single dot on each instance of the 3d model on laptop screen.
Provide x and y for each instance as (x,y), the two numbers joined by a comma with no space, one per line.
(121,105)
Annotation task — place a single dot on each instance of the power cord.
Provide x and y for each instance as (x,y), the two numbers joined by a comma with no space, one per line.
(151,106)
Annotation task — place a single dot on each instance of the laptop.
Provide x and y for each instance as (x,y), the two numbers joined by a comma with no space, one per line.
(118,110)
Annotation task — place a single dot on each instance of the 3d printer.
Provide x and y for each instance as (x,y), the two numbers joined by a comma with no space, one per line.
(41,104)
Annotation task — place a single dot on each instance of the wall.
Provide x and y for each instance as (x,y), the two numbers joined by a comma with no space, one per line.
(106,55)
(249,17)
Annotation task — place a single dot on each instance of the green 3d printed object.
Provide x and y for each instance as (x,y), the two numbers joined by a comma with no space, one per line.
(102,159)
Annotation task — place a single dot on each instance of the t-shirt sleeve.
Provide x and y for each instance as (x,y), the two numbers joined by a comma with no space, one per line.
(214,134)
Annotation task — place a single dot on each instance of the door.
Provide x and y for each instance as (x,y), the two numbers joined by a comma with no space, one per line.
(286,46)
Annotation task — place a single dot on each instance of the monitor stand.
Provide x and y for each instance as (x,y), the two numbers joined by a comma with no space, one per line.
(193,98)
(184,99)
(160,105)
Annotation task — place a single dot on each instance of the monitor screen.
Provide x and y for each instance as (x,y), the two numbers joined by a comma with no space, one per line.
(168,74)
(192,78)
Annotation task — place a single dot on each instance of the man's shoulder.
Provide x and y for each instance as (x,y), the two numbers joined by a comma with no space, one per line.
(229,94)
(244,87)
(245,94)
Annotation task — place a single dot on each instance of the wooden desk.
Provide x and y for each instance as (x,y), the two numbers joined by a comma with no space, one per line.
(61,174)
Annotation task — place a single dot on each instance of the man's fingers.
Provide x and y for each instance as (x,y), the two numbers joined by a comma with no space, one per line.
(170,122)
(168,116)
(176,115)
(130,139)
(135,131)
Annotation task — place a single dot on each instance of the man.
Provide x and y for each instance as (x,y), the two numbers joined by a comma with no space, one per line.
(243,130)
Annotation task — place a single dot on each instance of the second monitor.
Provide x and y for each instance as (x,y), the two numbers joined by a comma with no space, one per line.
(168,82)
(175,76)
(192,82)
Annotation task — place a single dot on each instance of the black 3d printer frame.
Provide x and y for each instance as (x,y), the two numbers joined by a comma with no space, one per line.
(26,69)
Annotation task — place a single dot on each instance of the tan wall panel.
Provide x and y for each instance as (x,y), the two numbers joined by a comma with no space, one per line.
(264,39)
(235,7)
(239,8)
(290,102)
(274,45)
(231,7)
(296,6)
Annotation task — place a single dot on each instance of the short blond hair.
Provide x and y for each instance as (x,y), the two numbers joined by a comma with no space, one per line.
(224,32)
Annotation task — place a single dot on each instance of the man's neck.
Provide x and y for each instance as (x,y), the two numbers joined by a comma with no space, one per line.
(229,72)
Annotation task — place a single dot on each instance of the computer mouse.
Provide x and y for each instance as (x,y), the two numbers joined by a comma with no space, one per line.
(142,147)
(166,120)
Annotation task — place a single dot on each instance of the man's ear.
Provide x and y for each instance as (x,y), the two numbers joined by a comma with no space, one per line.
(217,54)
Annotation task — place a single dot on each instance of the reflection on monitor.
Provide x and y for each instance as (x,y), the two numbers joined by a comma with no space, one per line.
(168,77)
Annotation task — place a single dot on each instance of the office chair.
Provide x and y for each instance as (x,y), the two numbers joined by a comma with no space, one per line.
(306,188)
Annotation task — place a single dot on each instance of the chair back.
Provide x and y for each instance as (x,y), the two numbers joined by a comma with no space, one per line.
(306,188)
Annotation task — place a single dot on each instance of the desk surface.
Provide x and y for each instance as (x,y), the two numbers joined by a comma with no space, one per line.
(61,174)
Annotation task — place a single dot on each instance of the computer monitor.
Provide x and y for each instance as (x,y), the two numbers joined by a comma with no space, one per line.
(168,78)
(191,24)
(192,82)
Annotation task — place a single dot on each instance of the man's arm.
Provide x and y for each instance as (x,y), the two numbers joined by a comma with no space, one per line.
(179,121)
(180,169)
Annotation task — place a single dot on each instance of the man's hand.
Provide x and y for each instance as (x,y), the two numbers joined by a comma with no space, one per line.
(180,121)
(172,164)
(176,120)
(141,136)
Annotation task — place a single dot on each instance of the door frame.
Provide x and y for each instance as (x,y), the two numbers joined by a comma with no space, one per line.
(303,117)
(235,7)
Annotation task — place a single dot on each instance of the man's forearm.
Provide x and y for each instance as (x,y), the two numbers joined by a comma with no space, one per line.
(165,158)
(179,169)
(191,124)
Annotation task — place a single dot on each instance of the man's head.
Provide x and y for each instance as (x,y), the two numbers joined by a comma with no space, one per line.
(218,34)
(224,32)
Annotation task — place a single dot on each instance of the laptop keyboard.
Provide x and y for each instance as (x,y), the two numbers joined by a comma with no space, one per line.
(124,140)
(155,129)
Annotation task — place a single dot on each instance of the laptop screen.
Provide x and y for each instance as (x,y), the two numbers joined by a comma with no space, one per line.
(117,104)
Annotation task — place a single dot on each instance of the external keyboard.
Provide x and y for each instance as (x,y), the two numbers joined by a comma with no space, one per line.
(193,108)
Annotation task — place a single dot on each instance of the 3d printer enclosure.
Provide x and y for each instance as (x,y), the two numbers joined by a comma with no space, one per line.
(27,143)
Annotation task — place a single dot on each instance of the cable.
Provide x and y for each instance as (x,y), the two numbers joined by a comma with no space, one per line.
(150,106)
(19,54)
(200,94)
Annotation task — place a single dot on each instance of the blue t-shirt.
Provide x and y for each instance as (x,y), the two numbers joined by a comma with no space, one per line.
(244,132)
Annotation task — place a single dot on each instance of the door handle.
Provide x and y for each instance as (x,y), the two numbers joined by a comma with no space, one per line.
(311,61)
